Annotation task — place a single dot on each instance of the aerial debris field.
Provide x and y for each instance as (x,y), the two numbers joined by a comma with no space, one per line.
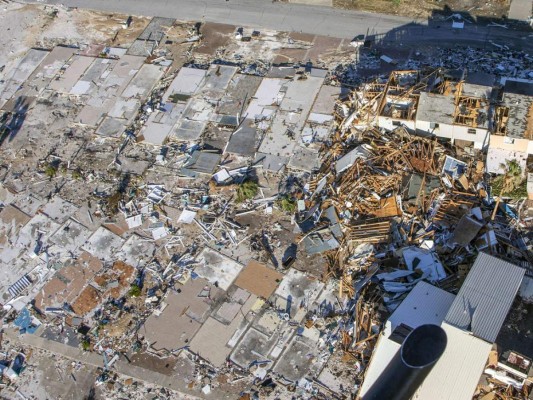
(200,210)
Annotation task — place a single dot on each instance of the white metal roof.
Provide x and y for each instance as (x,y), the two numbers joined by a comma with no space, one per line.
(425,304)
(457,373)
(485,297)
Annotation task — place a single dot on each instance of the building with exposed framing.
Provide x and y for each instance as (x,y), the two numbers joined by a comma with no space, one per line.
(445,104)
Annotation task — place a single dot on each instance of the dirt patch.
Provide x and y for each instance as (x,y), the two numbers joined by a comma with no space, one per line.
(176,44)
(153,363)
(323,46)
(67,26)
(120,327)
(60,379)
(290,56)
(214,36)
(111,27)
(425,8)
(304,37)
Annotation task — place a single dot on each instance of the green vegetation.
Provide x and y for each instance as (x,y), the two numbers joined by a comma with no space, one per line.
(247,190)
(135,291)
(511,184)
(86,345)
(50,170)
(76,174)
(287,204)
(517,193)
(176,97)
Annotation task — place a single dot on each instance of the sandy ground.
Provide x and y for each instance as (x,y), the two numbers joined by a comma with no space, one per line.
(15,19)
(426,8)
(48,376)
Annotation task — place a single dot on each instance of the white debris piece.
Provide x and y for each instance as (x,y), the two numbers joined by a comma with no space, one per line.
(134,221)
(222,176)
(159,232)
(187,216)
(206,389)
(425,260)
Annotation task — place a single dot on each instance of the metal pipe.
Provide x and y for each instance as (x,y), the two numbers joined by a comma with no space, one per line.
(420,351)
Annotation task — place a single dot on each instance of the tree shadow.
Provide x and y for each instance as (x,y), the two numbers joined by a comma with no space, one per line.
(11,121)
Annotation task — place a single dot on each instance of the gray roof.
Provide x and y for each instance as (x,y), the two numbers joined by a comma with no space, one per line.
(435,108)
(415,183)
(466,230)
(519,108)
(518,87)
(518,96)
(229,120)
(281,72)
(201,162)
(244,140)
(351,157)
(475,90)
(156,29)
(318,243)
(480,78)
(485,298)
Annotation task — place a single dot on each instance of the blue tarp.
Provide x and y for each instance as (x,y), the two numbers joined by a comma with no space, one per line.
(508,210)
(454,167)
(23,321)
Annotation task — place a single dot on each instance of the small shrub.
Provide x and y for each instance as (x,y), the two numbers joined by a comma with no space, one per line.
(247,190)
(76,174)
(50,171)
(287,204)
(135,291)
(86,345)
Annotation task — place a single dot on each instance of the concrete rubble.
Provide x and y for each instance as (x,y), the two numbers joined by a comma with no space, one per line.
(189,216)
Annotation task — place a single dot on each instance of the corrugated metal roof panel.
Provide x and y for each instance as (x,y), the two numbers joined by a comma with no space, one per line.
(485,298)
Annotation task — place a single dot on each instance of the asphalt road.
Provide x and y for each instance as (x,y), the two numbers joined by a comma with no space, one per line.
(327,21)
(251,13)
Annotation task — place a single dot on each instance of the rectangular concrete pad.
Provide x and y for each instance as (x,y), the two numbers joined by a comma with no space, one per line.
(212,339)
(180,320)
(254,346)
(217,268)
(259,279)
